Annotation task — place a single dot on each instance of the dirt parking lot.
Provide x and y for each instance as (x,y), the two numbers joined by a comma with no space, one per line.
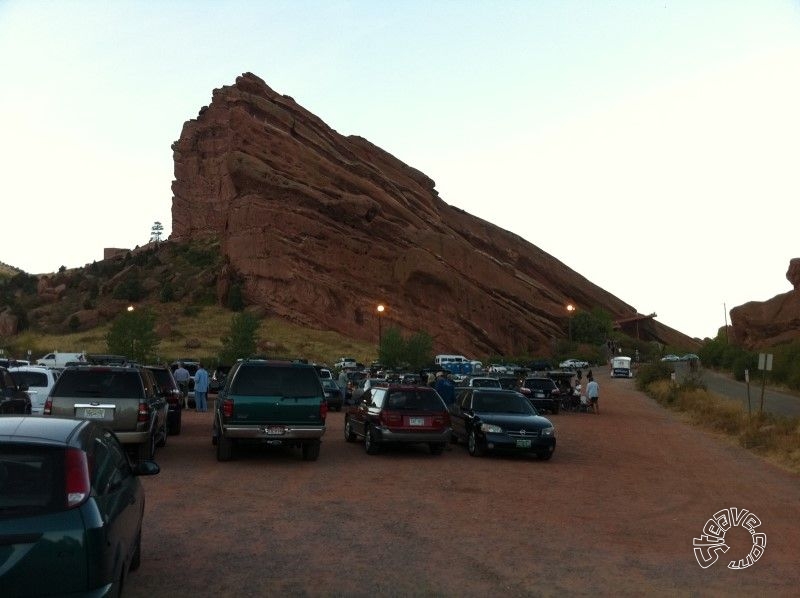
(614,512)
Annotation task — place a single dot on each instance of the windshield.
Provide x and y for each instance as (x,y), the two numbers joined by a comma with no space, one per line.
(506,403)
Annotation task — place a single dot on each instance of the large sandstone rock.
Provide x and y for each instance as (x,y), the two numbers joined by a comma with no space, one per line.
(322,228)
(762,324)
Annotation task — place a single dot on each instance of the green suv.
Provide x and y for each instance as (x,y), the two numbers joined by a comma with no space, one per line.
(273,402)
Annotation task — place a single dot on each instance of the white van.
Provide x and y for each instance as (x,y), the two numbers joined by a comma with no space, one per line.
(60,360)
(39,380)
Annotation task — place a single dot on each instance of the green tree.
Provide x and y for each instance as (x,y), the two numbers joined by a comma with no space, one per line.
(243,338)
(391,352)
(167,292)
(419,350)
(133,334)
(592,327)
(235,297)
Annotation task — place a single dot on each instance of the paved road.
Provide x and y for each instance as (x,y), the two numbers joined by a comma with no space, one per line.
(777,403)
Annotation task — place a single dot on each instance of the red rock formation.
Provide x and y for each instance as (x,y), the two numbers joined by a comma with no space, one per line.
(763,324)
(321,228)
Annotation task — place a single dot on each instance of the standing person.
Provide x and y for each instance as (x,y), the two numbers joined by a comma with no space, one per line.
(445,388)
(182,376)
(593,393)
(200,388)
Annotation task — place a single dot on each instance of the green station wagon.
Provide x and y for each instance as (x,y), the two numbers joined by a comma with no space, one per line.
(71,508)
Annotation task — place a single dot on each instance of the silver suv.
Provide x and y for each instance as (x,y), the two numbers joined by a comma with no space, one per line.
(124,399)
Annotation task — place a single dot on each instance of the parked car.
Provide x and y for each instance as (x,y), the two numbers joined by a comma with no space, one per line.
(399,414)
(483,382)
(71,508)
(543,392)
(168,386)
(670,357)
(489,419)
(39,380)
(13,396)
(270,401)
(124,399)
(573,364)
(333,394)
(508,382)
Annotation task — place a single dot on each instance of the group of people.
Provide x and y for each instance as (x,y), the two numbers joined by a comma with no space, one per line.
(182,377)
(592,392)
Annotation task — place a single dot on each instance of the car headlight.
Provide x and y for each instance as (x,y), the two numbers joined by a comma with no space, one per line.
(491,428)
(546,432)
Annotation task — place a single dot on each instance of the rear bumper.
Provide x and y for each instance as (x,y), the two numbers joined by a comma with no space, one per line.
(133,437)
(387,435)
(267,432)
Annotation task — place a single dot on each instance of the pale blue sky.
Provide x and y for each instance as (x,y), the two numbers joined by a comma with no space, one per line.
(653,147)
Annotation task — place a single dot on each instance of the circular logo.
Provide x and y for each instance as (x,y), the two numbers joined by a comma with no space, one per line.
(712,541)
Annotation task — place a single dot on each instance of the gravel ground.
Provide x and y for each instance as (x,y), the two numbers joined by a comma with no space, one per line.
(614,512)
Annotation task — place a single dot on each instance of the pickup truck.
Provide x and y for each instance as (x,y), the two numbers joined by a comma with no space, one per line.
(273,402)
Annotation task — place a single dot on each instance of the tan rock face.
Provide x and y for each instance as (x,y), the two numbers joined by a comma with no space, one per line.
(322,228)
(760,324)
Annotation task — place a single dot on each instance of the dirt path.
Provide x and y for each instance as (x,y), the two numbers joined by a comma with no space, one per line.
(614,512)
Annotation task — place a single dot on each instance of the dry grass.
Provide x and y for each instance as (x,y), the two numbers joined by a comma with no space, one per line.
(198,332)
(776,439)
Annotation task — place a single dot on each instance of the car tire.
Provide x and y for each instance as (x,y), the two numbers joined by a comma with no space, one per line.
(453,438)
(162,441)
(474,446)
(175,428)
(136,559)
(349,435)
(147,449)
(437,448)
(224,448)
(371,446)
(544,455)
(311,450)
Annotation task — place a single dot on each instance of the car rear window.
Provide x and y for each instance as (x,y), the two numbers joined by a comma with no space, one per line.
(280,381)
(38,379)
(163,378)
(410,400)
(31,480)
(99,383)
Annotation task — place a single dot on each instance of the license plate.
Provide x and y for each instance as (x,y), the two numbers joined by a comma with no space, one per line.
(523,443)
(416,421)
(94,413)
(274,430)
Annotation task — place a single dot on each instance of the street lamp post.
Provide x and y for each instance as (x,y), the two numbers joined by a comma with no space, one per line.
(570,309)
(380,309)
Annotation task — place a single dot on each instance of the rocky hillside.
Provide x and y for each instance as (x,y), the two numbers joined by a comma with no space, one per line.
(319,229)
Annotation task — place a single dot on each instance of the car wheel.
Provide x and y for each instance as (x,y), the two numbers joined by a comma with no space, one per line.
(147,449)
(175,428)
(349,435)
(453,438)
(311,451)
(136,559)
(544,455)
(370,445)
(437,448)
(473,445)
(162,441)
(224,448)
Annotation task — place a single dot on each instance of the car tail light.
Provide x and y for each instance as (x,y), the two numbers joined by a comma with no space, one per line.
(144,412)
(77,478)
(442,419)
(48,407)
(227,408)
(323,410)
